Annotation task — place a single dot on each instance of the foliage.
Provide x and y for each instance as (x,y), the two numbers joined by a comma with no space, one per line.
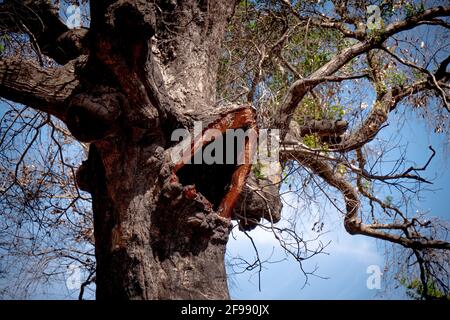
(257,170)
(3,42)
(415,289)
(313,141)
(413,9)
(397,78)
(310,108)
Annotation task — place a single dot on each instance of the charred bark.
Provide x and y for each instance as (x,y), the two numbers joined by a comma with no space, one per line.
(153,241)
(158,233)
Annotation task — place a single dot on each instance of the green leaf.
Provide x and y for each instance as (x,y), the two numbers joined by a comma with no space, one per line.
(252,25)
(257,170)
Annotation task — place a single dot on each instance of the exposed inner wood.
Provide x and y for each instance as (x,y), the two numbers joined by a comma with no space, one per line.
(241,118)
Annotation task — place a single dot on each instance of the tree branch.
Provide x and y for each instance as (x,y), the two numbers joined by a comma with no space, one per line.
(385,103)
(300,87)
(352,222)
(40,20)
(45,89)
(427,72)
(415,20)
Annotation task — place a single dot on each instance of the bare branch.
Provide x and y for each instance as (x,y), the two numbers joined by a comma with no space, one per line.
(40,20)
(300,87)
(424,70)
(23,81)
(415,20)
(352,223)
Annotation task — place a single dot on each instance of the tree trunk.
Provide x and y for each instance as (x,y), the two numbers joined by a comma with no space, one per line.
(161,227)
(152,242)
(155,238)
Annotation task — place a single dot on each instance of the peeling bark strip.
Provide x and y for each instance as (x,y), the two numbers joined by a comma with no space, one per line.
(239,118)
(237,183)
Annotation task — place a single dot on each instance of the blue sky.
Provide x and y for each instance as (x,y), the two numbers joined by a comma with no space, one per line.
(349,256)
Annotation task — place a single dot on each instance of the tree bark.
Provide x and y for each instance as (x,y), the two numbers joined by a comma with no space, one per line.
(143,69)
(152,242)
(157,235)
(161,232)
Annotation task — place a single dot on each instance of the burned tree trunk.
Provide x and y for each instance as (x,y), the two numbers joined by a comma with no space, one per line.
(153,241)
(146,68)
(155,238)
(161,226)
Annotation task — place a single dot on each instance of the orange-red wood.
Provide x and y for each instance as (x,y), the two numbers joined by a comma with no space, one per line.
(244,117)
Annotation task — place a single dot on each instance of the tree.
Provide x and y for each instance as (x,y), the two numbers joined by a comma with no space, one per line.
(138,70)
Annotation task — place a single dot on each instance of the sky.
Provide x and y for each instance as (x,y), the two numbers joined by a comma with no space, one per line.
(345,265)
(349,256)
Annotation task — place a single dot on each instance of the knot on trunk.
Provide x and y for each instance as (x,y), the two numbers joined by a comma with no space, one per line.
(90,174)
(71,44)
(92,116)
